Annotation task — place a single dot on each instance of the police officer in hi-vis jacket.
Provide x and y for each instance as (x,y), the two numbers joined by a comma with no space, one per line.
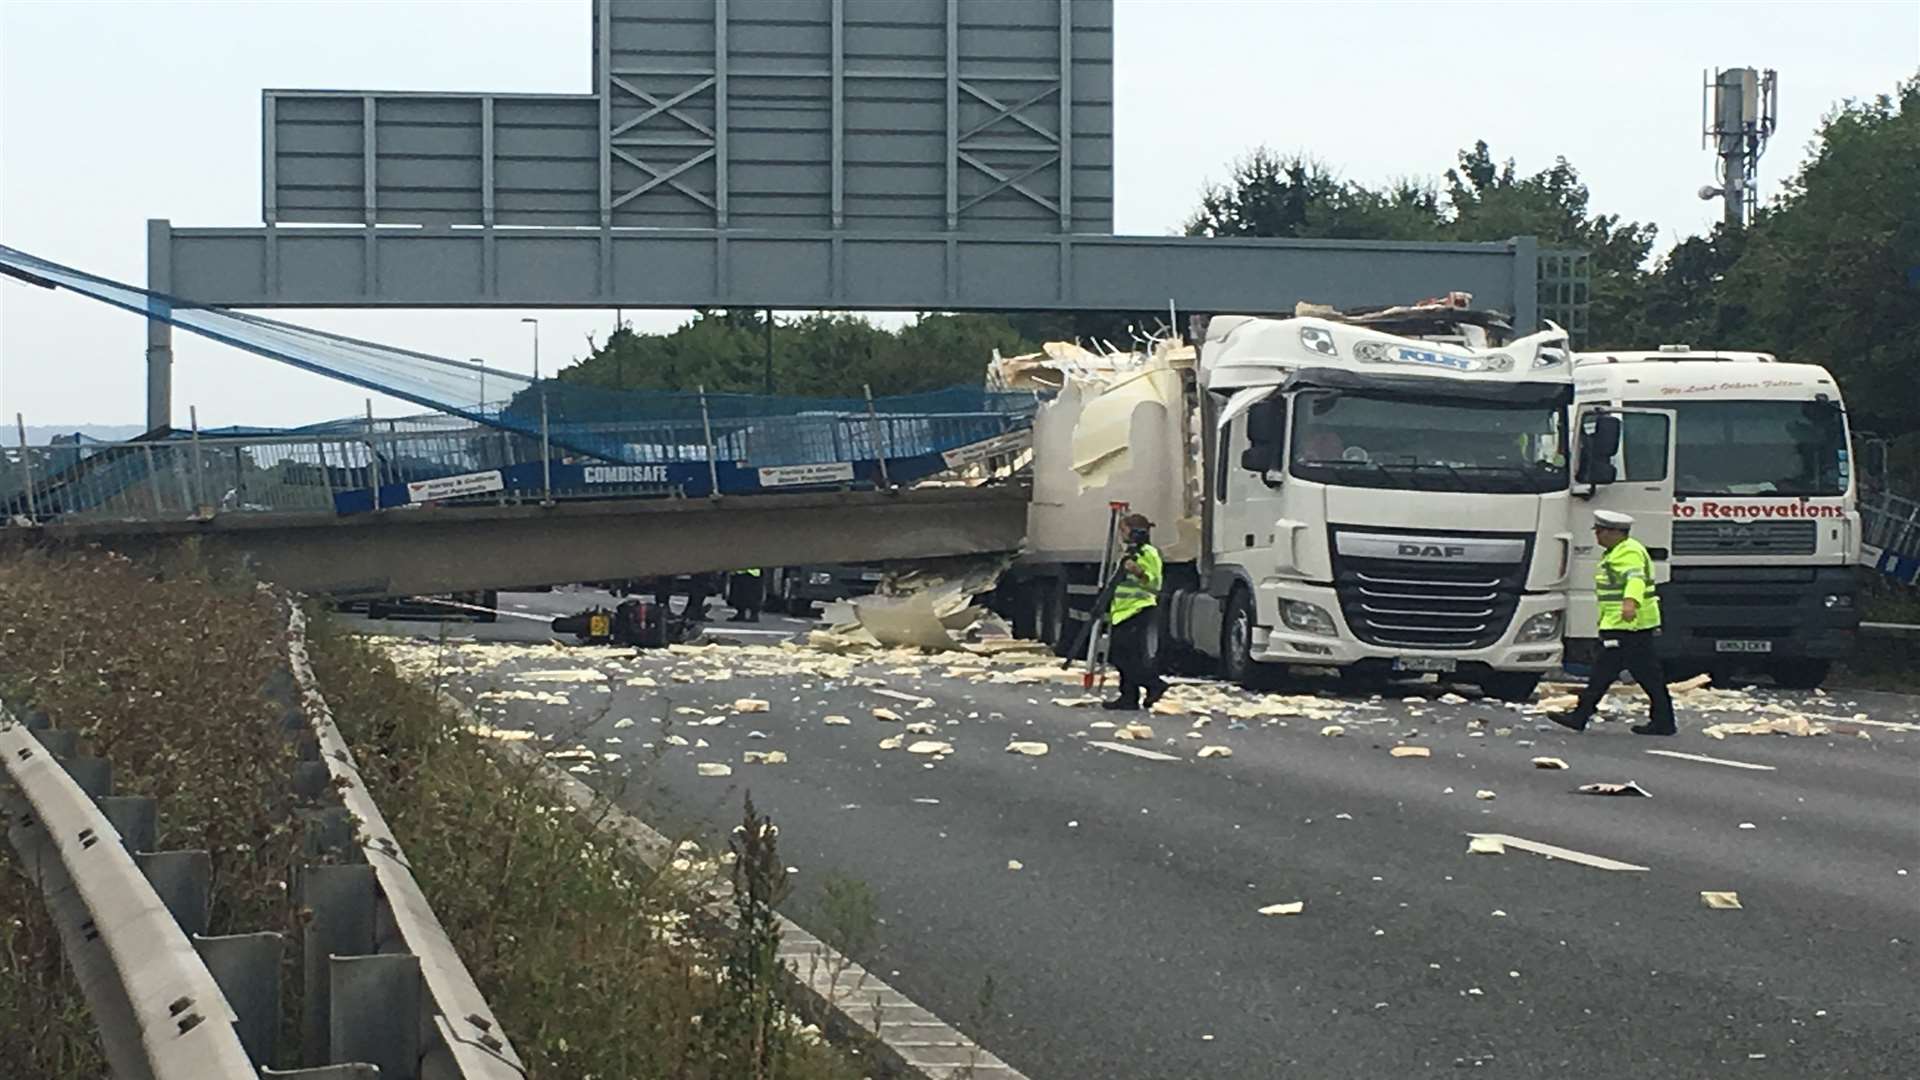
(1629,621)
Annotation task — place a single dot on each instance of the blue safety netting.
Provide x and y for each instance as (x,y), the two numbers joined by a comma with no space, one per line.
(615,425)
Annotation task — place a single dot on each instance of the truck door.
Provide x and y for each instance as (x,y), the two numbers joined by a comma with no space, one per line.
(1623,461)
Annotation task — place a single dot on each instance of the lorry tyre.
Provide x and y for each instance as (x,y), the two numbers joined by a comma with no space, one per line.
(1236,641)
(1023,610)
(1510,685)
(1799,674)
(1362,679)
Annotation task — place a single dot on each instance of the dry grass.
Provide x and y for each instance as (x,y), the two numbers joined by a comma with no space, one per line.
(162,672)
(595,966)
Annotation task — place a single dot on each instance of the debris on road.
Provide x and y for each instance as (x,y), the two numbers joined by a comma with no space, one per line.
(1451,699)
(503,734)
(563,675)
(1485,795)
(1794,724)
(1630,788)
(892,742)
(622,724)
(1216,751)
(1486,845)
(1721,901)
(1015,864)
(1560,703)
(930,746)
(1075,702)
(676,740)
(919,701)
(884,713)
(921,728)
(1031,749)
(713,768)
(1294,908)
(1549,763)
(1333,731)
(835,721)
(1411,752)
(765,757)
(750,705)
(1135,732)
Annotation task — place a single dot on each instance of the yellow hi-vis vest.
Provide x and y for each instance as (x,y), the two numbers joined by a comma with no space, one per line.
(1626,573)
(1131,597)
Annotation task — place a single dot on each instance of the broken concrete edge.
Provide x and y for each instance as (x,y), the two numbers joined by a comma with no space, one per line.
(856,1008)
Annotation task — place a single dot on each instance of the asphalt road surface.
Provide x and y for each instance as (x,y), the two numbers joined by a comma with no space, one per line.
(1130,943)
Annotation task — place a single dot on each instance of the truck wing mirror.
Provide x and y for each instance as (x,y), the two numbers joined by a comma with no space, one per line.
(1599,441)
(1604,437)
(1266,435)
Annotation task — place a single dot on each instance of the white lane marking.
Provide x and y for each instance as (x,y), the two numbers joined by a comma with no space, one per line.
(721,631)
(1713,760)
(1123,748)
(1598,862)
(1896,725)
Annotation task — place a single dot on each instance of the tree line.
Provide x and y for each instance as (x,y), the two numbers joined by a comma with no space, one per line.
(1828,272)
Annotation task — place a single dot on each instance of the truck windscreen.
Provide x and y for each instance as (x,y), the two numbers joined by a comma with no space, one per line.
(1390,441)
(1758,447)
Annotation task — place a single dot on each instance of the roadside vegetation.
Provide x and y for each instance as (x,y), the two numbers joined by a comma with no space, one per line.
(595,966)
(161,670)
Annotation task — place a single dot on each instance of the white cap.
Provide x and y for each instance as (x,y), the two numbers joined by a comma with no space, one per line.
(1612,519)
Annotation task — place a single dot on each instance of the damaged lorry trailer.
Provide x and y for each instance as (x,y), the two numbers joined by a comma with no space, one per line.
(1380,494)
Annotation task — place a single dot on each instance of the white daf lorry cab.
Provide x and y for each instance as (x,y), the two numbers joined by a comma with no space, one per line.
(1374,494)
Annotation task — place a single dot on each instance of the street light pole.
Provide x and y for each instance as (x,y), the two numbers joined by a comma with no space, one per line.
(546,454)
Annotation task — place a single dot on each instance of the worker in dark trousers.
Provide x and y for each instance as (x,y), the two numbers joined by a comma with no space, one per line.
(1629,621)
(747,591)
(1131,616)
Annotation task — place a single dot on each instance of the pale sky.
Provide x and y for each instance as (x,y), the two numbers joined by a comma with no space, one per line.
(115,111)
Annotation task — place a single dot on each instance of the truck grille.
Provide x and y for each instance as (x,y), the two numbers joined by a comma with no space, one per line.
(1423,604)
(1744,537)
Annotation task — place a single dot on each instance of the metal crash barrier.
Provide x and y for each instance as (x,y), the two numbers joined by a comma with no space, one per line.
(384,993)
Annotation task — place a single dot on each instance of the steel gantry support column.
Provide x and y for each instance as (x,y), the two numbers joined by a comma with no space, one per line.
(159,331)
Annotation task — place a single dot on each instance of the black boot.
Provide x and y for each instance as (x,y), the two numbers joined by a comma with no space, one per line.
(1121,705)
(1572,721)
(1654,729)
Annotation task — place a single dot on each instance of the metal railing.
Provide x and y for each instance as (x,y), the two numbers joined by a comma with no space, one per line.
(410,1005)
(1890,535)
(384,992)
(202,477)
(160,1011)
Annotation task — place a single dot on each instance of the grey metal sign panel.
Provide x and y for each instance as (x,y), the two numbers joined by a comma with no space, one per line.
(359,267)
(992,116)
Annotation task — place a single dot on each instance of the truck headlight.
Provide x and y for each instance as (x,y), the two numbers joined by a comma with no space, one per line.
(1542,627)
(1318,340)
(1307,618)
(820,578)
(1837,601)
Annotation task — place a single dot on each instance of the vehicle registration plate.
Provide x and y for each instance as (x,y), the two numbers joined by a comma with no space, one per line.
(1425,663)
(1742,646)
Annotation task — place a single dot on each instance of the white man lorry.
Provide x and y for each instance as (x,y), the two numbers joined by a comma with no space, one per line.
(1750,512)
(1373,493)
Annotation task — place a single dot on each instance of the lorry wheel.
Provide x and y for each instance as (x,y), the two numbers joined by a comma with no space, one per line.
(1360,679)
(1799,674)
(1510,685)
(1025,611)
(1236,641)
